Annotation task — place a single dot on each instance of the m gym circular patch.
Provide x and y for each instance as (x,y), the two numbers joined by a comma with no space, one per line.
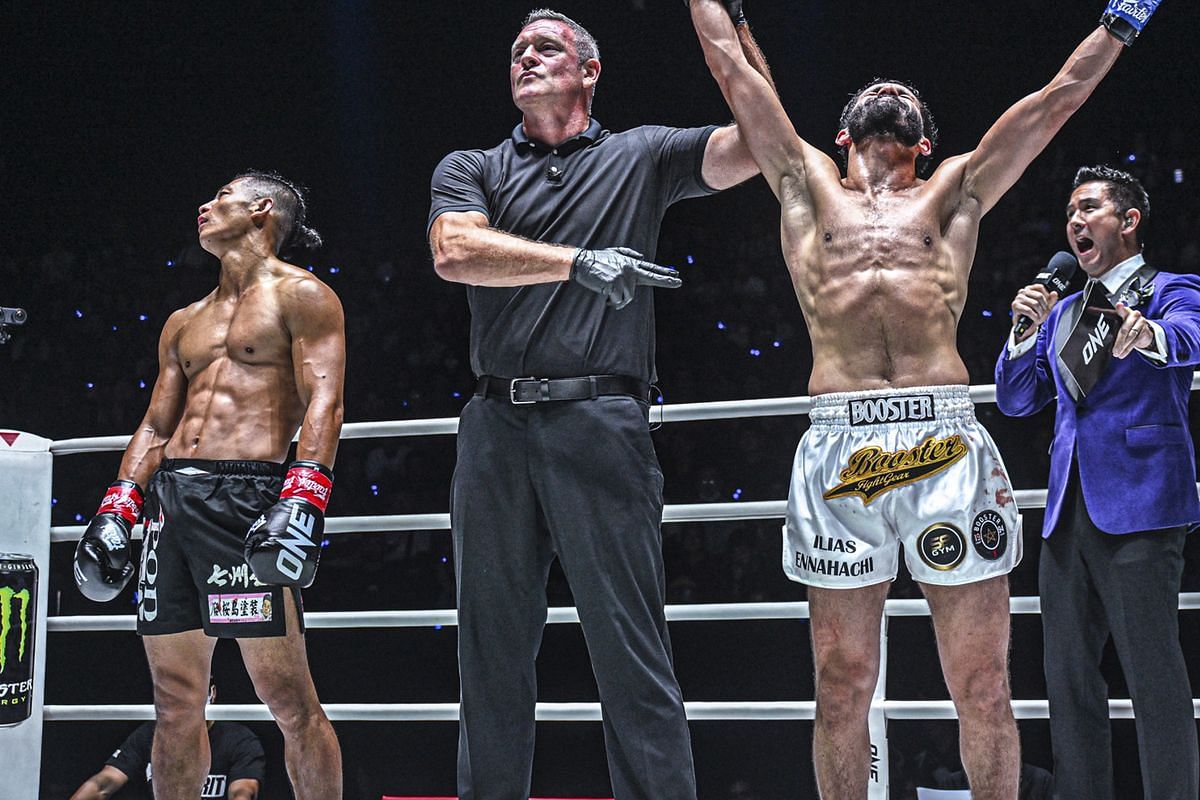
(942,546)
(989,535)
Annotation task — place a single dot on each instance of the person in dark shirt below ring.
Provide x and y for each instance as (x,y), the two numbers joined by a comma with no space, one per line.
(237,771)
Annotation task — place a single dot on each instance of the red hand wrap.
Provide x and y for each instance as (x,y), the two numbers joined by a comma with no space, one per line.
(311,483)
(124,499)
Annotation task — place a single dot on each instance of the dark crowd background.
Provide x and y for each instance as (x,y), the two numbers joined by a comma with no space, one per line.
(120,119)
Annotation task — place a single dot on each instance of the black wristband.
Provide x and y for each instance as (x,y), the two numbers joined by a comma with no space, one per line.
(1120,29)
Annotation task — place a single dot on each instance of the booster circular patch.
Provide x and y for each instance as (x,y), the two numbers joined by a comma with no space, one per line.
(942,546)
(989,535)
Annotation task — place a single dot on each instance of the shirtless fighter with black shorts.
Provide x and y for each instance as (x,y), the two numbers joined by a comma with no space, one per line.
(879,260)
(231,536)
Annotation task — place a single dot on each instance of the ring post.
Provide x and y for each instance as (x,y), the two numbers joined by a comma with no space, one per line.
(25,470)
(877,787)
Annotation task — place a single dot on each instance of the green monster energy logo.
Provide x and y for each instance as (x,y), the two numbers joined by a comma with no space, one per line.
(7,596)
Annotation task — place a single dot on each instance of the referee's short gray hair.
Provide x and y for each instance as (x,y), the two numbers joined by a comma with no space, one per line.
(585,43)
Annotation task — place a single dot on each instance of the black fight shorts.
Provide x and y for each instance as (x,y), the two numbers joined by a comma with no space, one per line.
(194,574)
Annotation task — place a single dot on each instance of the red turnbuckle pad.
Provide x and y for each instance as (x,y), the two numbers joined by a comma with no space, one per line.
(124,499)
(308,481)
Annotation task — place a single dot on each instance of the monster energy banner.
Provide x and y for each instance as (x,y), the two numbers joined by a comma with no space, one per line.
(25,489)
(18,594)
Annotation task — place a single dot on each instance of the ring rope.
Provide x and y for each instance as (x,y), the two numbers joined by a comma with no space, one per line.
(682,512)
(678,412)
(564,712)
(698,612)
(697,711)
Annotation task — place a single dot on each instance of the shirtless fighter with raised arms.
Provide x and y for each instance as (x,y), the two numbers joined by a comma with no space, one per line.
(230,538)
(879,259)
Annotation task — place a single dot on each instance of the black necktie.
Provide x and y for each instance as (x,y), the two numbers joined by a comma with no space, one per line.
(1088,349)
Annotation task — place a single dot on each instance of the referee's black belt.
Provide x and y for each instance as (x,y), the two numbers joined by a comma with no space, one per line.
(522,391)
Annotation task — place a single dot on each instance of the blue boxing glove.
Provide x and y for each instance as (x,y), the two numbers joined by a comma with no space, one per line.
(1126,18)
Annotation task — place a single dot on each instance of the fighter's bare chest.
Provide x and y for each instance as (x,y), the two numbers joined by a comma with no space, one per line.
(858,247)
(248,332)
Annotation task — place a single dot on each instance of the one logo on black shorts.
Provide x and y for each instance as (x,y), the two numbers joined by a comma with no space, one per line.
(942,546)
(989,535)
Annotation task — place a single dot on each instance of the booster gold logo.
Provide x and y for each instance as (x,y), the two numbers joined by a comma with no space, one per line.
(871,471)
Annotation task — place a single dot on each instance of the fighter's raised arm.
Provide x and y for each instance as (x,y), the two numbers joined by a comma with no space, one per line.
(763,123)
(1024,130)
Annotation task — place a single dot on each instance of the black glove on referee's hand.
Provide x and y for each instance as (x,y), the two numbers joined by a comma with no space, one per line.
(732,7)
(617,272)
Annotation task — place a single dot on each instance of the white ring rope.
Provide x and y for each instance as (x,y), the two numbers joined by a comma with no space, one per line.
(699,612)
(441,712)
(562,712)
(683,512)
(572,712)
(678,412)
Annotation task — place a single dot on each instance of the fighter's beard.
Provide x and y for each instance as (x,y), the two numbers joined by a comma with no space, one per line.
(885,116)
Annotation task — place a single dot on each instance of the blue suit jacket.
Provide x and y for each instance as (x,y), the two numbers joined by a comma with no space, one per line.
(1130,434)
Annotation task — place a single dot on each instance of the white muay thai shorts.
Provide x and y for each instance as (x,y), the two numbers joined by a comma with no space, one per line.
(899,468)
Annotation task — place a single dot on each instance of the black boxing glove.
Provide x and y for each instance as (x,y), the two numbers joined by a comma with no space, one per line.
(732,7)
(617,272)
(283,546)
(102,562)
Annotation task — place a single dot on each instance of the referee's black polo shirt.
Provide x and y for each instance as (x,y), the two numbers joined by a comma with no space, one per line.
(599,189)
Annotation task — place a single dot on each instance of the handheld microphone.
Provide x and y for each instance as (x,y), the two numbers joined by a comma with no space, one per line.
(1054,277)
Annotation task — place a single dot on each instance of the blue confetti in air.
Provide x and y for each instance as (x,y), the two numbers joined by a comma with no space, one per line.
(334,270)
(720,325)
(53,501)
(1178,175)
(141,384)
(170,263)
(114,327)
(78,314)
(324,543)
(1131,157)
(444,559)
(91,385)
(456,394)
(691,260)
(754,351)
(776,343)
(737,494)
(375,489)
(987,313)
(79,517)
(142,318)
(437,627)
